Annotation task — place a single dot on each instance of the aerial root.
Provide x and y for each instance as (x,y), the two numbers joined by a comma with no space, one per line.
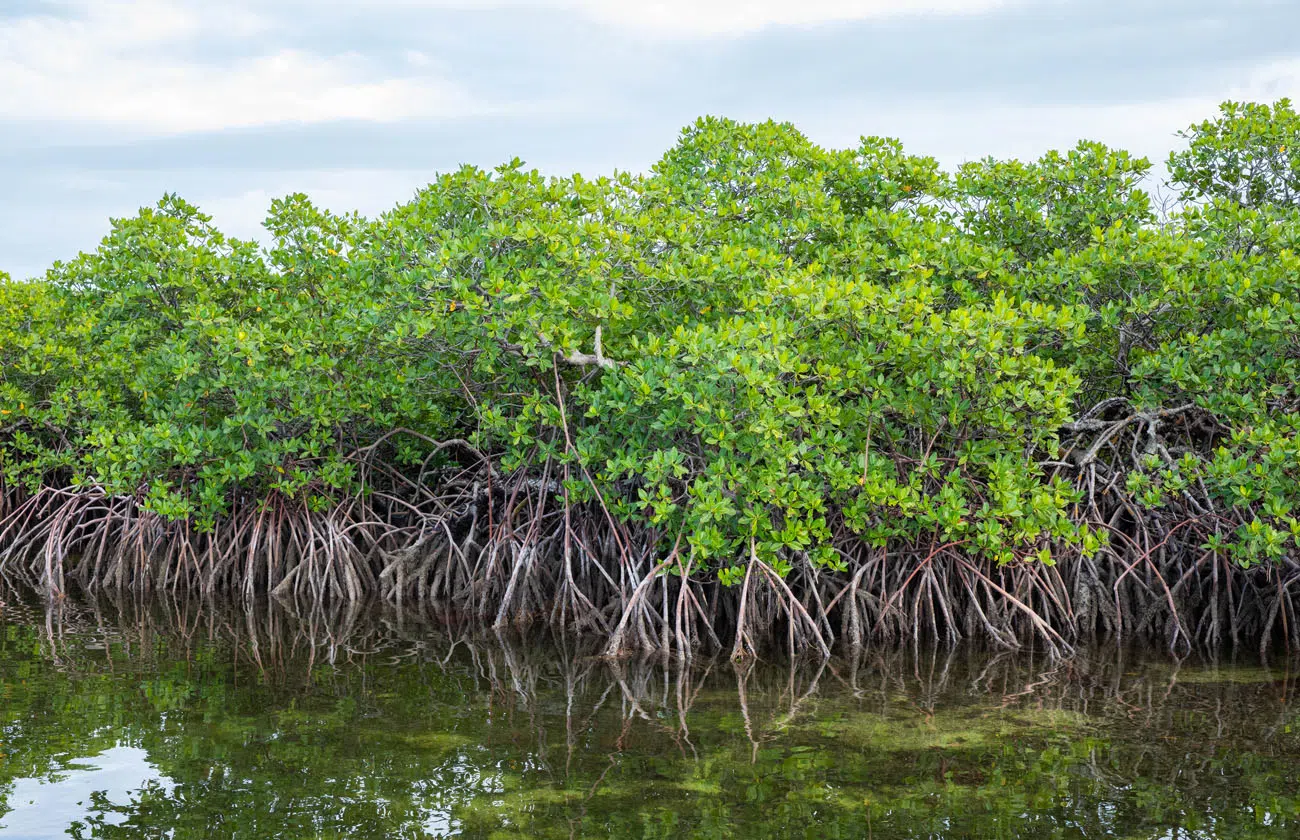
(514,554)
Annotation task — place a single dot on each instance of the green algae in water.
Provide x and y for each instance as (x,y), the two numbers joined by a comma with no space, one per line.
(201,725)
(961,728)
(1231,673)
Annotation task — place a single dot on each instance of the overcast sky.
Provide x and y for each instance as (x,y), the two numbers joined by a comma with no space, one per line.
(107,104)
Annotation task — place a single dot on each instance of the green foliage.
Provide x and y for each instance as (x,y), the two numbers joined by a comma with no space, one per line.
(768,348)
(1057,203)
(1250,155)
(180,365)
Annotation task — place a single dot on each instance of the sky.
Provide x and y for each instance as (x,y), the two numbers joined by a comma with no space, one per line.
(105,105)
(42,808)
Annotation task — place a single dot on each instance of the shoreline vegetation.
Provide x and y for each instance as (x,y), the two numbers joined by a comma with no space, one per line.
(766,394)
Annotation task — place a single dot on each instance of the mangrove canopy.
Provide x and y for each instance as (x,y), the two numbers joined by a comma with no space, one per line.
(764,392)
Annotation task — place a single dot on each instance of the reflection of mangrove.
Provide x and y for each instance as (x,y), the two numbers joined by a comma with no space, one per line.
(381,715)
(515,554)
(287,648)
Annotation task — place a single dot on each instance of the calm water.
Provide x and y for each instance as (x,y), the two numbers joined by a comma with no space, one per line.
(185,723)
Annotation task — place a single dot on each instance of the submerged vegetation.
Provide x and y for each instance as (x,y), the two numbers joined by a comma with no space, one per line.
(767,392)
(257,723)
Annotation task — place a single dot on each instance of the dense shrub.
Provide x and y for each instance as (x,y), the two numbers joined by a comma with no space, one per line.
(759,351)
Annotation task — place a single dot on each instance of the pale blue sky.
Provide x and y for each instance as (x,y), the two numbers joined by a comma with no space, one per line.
(107,104)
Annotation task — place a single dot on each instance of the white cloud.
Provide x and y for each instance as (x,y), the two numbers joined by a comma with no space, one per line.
(49,807)
(738,17)
(710,18)
(955,133)
(1269,82)
(241,213)
(130,64)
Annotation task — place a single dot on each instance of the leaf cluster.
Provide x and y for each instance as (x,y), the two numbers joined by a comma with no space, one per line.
(761,347)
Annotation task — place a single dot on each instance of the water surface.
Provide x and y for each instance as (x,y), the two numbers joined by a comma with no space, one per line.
(190,723)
